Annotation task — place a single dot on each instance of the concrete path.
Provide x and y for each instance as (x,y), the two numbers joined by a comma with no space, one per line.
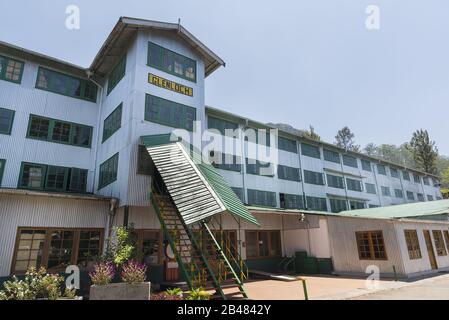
(435,288)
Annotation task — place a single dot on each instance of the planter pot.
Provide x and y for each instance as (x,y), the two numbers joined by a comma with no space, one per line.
(121,291)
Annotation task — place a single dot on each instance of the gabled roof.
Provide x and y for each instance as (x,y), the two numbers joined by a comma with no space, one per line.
(409,210)
(125,30)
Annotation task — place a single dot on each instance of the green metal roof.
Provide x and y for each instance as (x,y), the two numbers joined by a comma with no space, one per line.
(206,191)
(409,210)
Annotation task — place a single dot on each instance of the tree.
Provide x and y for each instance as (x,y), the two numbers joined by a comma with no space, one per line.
(445,179)
(424,151)
(371,149)
(345,139)
(311,134)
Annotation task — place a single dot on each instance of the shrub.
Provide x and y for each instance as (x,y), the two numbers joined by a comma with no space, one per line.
(174,292)
(133,272)
(164,296)
(38,284)
(103,273)
(120,248)
(198,294)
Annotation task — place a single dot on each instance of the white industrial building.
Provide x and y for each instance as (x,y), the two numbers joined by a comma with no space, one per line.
(74,159)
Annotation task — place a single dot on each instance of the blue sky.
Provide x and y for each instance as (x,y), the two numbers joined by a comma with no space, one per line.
(297,62)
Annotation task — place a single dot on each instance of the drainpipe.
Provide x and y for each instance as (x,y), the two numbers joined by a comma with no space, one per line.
(110,222)
(377,185)
(302,176)
(97,136)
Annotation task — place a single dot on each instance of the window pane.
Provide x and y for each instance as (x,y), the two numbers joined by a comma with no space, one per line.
(88,246)
(313,177)
(251,244)
(60,252)
(39,127)
(61,131)
(6,119)
(78,180)
(275,244)
(310,150)
(30,250)
(10,69)
(33,176)
(331,156)
(151,247)
(350,161)
(263,244)
(363,245)
(112,123)
(108,171)
(56,178)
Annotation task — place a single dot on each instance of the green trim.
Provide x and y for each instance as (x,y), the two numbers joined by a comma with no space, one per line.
(117,74)
(161,60)
(108,171)
(2,169)
(11,120)
(84,84)
(4,68)
(72,134)
(112,123)
(153,110)
(52,170)
(68,172)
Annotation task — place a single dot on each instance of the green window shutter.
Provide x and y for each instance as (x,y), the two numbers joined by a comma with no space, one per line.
(350,161)
(381,169)
(78,180)
(310,150)
(108,171)
(221,125)
(335,181)
(171,62)
(169,113)
(58,131)
(288,173)
(112,123)
(66,85)
(11,69)
(312,177)
(315,203)
(6,120)
(370,188)
(2,169)
(117,73)
(331,156)
(354,185)
(338,205)
(287,145)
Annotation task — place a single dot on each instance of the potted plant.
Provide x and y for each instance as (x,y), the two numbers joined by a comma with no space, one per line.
(133,286)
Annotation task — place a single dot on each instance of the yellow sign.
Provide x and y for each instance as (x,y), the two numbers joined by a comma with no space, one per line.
(170,85)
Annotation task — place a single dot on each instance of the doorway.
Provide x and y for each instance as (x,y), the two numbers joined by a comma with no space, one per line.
(432,259)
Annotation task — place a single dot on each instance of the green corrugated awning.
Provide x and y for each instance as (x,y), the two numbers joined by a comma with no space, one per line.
(409,210)
(197,189)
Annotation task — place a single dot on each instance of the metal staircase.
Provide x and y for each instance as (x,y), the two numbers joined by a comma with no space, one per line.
(203,260)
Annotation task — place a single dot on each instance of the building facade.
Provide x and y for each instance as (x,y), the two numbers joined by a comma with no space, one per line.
(72,163)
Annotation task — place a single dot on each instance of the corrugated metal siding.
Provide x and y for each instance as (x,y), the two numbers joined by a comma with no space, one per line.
(36,211)
(191,194)
(344,247)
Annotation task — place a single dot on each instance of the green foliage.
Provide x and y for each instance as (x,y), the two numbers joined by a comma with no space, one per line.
(311,134)
(174,292)
(198,294)
(345,139)
(38,284)
(424,151)
(120,248)
(445,178)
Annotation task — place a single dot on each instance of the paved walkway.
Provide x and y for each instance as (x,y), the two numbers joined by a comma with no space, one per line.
(436,288)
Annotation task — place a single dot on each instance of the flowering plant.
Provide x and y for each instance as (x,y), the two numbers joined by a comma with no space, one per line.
(133,272)
(103,273)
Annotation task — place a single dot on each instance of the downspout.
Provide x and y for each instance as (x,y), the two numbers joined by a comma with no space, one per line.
(298,148)
(110,222)
(97,138)
(377,185)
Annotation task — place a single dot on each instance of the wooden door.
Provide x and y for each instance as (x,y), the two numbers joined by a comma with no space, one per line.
(432,259)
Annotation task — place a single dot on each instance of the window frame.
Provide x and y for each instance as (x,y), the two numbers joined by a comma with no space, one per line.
(3,72)
(371,246)
(314,172)
(310,147)
(83,84)
(269,244)
(412,244)
(439,243)
(101,182)
(111,120)
(350,182)
(50,131)
(161,68)
(331,156)
(114,72)
(47,241)
(11,121)
(267,196)
(287,169)
(350,161)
